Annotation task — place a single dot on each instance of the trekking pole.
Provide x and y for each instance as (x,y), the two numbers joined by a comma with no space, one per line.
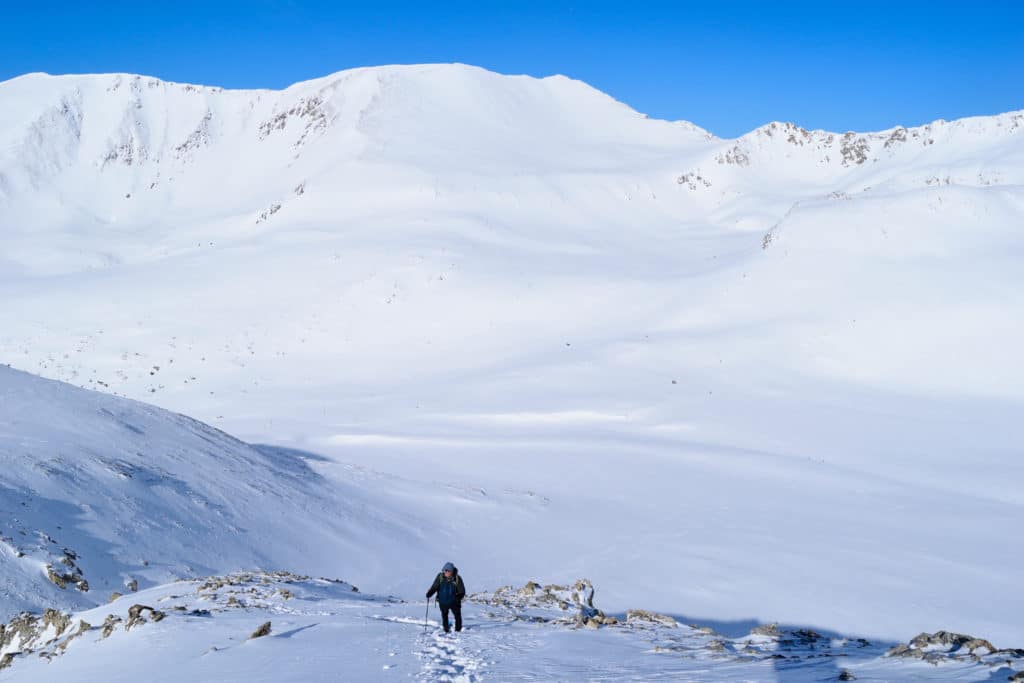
(425,614)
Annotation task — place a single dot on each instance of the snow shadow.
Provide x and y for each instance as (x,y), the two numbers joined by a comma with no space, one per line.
(291,461)
(799,656)
(294,631)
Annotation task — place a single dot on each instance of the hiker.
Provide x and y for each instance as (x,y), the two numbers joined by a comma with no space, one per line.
(450,591)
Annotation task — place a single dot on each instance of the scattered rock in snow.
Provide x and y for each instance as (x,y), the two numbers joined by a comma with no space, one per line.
(770,630)
(239,579)
(57,620)
(944,645)
(552,596)
(109,624)
(312,110)
(198,138)
(693,180)
(83,627)
(953,640)
(576,599)
(47,635)
(643,616)
(263,630)
(735,156)
(274,208)
(854,149)
(56,578)
(898,135)
(20,631)
(137,615)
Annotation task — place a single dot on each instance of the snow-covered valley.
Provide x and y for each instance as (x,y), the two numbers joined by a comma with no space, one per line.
(510,322)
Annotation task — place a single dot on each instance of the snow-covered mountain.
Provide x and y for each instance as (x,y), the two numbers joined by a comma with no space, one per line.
(512,322)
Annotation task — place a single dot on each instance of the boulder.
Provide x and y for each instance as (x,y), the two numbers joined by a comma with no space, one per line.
(263,630)
(137,615)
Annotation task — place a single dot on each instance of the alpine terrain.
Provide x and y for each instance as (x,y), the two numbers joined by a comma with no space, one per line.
(678,407)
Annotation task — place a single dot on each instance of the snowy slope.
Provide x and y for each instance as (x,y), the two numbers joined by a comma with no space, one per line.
(765,379)
(325,630)
(101,493)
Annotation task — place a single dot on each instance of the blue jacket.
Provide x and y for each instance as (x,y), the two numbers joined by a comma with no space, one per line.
(449,591)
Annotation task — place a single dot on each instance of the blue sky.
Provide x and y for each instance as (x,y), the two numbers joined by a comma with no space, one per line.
(728,66)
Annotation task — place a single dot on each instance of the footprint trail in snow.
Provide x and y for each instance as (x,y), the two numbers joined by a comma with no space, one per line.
(445,657)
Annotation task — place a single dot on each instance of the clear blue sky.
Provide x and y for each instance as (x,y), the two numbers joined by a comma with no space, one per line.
(728,67)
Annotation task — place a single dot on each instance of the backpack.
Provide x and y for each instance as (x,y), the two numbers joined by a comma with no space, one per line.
(447,591)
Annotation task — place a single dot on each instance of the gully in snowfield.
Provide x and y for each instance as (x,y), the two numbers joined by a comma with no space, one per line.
(450,591)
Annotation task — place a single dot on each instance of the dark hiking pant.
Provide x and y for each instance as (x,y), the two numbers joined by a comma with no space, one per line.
(457,611)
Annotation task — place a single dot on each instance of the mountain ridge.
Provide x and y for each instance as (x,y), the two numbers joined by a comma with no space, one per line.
(1015,116)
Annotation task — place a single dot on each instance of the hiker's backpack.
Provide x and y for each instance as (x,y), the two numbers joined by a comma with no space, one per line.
(447,591)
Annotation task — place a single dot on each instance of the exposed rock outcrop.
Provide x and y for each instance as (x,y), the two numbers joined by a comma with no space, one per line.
(946,645)
(137,615)
(644,616)
(263,630)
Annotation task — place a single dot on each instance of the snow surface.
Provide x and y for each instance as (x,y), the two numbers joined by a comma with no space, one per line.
(511,322)
(325,630)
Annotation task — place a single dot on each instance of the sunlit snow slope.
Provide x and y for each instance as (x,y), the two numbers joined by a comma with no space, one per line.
(771,378)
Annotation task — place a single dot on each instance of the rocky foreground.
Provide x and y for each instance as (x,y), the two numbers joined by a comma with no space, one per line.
(283,626)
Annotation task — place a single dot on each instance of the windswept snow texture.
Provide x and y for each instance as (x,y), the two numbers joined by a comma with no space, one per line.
(512,323)
(99,494)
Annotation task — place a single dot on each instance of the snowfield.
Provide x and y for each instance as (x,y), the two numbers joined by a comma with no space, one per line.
(447,314)
(279,626)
